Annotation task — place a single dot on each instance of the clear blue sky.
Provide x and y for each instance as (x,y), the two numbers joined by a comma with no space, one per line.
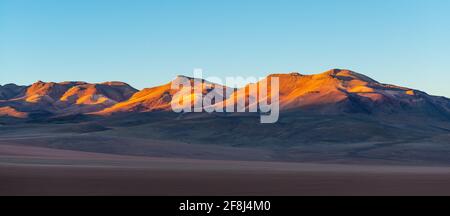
(145,43)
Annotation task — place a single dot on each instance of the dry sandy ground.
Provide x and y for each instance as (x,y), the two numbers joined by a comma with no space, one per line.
(28,170)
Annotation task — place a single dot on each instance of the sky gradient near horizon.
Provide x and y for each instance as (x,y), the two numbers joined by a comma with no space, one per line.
(146,43)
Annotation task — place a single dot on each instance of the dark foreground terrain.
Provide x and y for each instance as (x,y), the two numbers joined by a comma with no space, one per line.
(167,154)
(40,171)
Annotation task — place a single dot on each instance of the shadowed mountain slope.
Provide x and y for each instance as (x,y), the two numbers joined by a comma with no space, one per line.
(10,91)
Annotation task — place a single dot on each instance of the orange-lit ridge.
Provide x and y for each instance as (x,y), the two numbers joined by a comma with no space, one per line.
(333,91)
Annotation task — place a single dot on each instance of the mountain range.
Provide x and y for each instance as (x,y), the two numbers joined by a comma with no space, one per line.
(332,92)
(338,116)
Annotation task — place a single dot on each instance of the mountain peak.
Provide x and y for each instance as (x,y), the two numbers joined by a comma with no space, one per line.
(115,83)
(292,74)
(185,77)
(73,83)
(191,79)
(347,75)
(336,71)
